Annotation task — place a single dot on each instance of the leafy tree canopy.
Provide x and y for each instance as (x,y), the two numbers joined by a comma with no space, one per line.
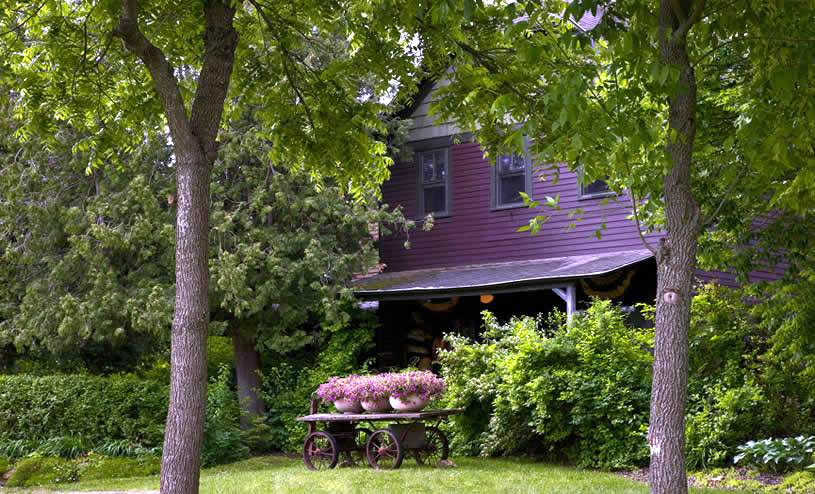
(88,259)
(599,99)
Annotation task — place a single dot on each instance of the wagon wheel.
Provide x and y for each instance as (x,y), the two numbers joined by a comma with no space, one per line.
(436,447)
(320,451)
(384,450)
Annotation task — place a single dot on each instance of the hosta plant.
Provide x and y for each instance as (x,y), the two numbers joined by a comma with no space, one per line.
(791,453)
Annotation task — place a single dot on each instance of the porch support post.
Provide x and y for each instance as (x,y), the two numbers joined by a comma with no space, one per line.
(569,295)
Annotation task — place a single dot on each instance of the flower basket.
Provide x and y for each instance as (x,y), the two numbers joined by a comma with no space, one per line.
(411,391)
(404,391)
(409,403)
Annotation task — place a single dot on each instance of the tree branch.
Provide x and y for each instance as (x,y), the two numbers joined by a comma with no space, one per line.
(288,58)
(707,221)
(161,72)
(220,42)
(637,221)
(747,39)
(689,21)
(25,21)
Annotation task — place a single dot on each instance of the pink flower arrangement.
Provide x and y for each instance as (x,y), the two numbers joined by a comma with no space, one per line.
(370,388)
(424,384)
(377,387)
(338,388)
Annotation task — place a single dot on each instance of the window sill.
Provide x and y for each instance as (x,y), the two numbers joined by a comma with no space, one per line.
(436,216)
(599,195)
(504,207)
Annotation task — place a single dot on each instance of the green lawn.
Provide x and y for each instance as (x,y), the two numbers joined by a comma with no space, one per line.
(472,475)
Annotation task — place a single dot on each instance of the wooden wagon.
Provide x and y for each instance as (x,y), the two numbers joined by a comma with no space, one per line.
(414,433)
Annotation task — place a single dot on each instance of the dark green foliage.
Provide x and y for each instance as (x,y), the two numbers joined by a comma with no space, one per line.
(39,470)
(17,448)
(288,386)
(63,447)
(582,391)
(778,455)
(577,390)
(750,375)
(85,259)
(125,448)
(97,409)
(222,434)
(723,396)
(121,416)
(220,353)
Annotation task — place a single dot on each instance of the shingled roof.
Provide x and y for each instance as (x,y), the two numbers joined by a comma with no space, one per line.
(504,276)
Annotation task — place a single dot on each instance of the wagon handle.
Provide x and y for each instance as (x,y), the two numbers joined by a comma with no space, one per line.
(313,408)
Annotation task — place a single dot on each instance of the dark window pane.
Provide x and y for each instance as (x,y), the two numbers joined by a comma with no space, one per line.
(596,187)
(434,199)
(440,157)
(428,167)
(510,164)
(434,166)
(509,188)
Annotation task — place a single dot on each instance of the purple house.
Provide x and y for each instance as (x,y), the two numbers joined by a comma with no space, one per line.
(474,258)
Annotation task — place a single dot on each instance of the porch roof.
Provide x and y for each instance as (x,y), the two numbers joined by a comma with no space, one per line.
(494,278)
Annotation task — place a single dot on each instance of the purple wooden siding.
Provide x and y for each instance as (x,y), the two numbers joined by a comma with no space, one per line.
(475,234)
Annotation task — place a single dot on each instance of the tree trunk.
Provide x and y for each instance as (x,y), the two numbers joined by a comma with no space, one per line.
(181,461)
(676,263)
(247,368)
(195,147)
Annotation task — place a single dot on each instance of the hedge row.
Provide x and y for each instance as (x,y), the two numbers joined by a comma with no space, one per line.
(98,409)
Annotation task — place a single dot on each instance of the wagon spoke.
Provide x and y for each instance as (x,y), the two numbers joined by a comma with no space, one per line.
(383,450)
(320,451)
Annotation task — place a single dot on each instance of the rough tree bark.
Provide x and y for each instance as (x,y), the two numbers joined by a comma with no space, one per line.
(195,148)
(676,260)
(247,366)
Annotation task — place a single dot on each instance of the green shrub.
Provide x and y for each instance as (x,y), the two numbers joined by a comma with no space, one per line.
(97,409)
(41,470)
(288,386)
(220,353)
(97,467)
(803,482)
(750,376)
(223,441)
(5,465)
(579,390)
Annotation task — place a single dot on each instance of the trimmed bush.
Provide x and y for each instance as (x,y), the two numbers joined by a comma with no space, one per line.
(40,470)
(97,409)
(97,467)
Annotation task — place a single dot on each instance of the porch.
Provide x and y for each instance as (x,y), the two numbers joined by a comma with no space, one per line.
(417,307)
